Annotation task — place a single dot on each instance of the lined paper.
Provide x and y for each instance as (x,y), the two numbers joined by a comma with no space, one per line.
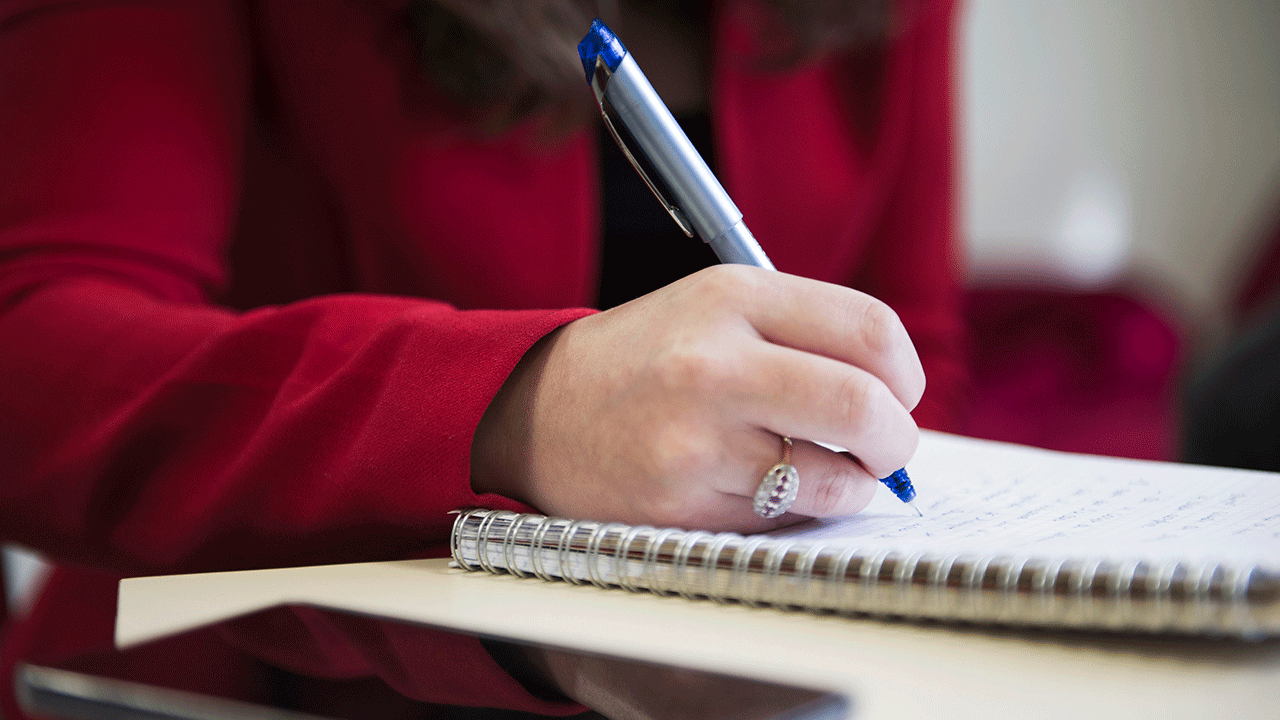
(1024,501)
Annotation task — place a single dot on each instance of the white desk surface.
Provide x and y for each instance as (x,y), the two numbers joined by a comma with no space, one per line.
(889,669)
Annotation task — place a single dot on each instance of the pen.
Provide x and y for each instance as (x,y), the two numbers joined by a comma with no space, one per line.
(659,150)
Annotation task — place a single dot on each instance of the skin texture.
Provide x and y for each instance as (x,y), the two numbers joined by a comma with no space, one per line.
(668,410)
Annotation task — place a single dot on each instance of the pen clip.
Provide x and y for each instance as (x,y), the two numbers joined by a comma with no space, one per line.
(616,129)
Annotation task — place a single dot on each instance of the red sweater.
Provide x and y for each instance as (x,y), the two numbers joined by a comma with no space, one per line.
(257,289)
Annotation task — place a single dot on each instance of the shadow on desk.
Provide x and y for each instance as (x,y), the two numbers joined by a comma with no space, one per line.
(68,695)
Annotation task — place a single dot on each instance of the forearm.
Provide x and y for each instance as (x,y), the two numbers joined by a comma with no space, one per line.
(154,436)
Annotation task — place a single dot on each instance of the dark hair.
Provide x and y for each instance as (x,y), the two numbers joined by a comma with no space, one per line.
(501,61)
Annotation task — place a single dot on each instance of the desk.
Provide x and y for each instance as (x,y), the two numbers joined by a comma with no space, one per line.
(888,669)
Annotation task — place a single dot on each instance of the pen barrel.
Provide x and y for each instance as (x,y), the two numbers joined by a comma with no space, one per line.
(693,188)
(738,245)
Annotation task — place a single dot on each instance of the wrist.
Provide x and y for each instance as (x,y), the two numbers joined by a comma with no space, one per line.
(501,445)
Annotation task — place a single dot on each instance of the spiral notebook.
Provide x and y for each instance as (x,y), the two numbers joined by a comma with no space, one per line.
(1012,535)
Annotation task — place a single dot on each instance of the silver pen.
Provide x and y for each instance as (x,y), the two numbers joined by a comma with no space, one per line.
(674,170)
(660,151)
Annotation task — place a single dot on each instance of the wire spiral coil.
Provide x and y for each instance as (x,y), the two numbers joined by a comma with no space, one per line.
(1136,594)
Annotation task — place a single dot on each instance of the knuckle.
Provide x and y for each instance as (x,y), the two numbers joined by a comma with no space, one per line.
(675,451)
(680,512)
(690,369)
(668,508)
(674,455)
(879,327)
(834,494)
(856,400)
(913,444)
(676,508)
(909,441)
(916,392)
(893,447)
(726,285)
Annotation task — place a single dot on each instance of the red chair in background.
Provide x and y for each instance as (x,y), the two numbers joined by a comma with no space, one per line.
(1079,371)
(1090,371)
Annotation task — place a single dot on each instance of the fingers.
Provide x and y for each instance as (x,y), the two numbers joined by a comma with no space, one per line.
(832,484)
(802,395)
(838,323)
(837,365)
(667,410)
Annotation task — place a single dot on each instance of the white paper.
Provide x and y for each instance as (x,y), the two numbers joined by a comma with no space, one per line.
(992,497)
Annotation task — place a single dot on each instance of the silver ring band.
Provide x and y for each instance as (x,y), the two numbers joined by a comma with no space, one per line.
(779,487)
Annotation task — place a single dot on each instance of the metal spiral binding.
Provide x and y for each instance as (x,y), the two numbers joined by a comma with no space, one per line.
(537,546)
(902,577)
(1122,590)
(593,553)
(742,568)
(623,559)
(836,574)
(680,563)
(1193,595)
(566,543)
(482,541)
(1083,582)
(650,569)
(771,575)
(974,573)
(1043,584)
(1007,587)
(938,581)
(1164,589)
(711,563)
(804,575)
(509,545)
(1236,590)
(869,577)
(456,544)
(1200,591)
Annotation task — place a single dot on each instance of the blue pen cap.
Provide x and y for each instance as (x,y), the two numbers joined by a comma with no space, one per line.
(601,43)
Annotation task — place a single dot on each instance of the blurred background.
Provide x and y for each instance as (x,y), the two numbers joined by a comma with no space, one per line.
(1120,192)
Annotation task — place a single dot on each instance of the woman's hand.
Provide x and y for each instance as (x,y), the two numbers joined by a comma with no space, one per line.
(668,410)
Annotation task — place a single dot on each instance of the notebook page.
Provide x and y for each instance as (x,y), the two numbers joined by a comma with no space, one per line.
(995,498)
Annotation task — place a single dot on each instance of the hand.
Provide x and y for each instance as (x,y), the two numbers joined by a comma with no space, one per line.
(668,410)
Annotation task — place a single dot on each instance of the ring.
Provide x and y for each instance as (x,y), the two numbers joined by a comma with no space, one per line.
(779,487)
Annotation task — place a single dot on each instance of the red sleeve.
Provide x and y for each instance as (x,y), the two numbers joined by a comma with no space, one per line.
(142,431)
(912,262)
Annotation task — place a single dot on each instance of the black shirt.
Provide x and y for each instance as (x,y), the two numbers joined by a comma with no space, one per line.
(642,247)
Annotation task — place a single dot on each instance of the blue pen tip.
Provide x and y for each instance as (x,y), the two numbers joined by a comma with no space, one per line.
(601,43)
(901,486)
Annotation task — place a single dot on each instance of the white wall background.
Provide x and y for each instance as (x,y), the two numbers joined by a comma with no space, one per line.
(1121,137)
